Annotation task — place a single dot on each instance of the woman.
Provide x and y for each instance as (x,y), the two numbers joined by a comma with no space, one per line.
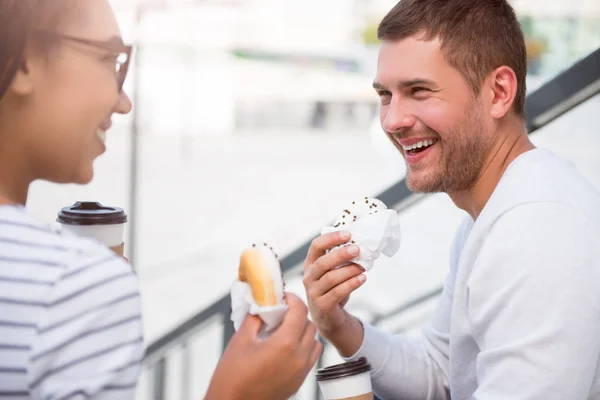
(70,320)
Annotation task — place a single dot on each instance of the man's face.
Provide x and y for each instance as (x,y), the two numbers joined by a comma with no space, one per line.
(432,116)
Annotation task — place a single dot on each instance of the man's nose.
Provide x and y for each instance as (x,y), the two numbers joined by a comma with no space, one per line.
(397,116)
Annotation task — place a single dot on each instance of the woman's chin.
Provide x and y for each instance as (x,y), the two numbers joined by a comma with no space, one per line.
(81,177)
(84,177)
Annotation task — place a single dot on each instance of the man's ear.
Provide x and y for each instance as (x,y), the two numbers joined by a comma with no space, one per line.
(503,85)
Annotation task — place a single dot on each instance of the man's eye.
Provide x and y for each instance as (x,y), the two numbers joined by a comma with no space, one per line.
(385,97)
(418,89)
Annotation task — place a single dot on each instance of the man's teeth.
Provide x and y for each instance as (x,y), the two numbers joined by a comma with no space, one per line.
(424,143)
(101,135)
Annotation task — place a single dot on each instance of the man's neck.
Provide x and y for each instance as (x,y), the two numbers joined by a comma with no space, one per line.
(503,153)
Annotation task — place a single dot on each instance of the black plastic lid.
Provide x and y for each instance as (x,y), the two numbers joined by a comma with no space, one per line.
(343,370)
(91,213)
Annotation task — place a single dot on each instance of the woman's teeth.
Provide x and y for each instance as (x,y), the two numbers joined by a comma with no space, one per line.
(101,135)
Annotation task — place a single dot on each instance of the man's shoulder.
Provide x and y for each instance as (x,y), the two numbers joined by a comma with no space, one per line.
(525,219)
(541,178)
(544,244)
(547,234)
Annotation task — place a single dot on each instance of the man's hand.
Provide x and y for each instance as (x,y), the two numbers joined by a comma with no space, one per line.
(273,368)
(328,289)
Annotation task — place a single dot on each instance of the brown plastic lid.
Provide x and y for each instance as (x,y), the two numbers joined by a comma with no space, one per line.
(91,213)
(343,370)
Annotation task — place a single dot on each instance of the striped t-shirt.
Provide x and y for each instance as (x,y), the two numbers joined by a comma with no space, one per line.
(70,315)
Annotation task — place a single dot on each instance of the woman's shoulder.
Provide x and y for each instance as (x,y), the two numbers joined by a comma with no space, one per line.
(27,241)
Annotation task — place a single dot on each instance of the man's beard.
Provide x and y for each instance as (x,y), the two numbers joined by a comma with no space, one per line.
(463,155)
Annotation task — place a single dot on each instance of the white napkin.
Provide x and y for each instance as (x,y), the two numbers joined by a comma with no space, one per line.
(374,234)
(242,304)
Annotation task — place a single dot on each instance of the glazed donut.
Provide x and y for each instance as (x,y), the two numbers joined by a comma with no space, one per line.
(261,269)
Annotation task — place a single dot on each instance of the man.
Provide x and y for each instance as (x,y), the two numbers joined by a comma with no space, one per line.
(519,316)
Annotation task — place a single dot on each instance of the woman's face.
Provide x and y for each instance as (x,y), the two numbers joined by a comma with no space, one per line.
(73,93)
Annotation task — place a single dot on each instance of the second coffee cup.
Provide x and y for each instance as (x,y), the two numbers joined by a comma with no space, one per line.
(347,381)
(93,220)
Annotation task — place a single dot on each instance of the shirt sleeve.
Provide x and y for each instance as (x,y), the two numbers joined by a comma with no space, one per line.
(415,369)
(89,344)
(533,305)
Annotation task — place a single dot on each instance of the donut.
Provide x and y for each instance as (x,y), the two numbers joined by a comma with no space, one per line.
(357,210)
(260,268)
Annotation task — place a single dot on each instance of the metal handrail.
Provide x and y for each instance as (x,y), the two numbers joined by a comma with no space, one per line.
(397,196)
(553,99)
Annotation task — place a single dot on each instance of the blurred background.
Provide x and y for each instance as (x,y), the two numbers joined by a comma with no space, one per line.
(255,120)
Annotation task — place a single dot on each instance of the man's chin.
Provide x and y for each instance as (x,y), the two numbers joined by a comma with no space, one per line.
(419,184)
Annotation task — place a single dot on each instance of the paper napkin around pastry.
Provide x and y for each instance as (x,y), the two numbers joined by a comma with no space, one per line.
(375,233)
(242,304)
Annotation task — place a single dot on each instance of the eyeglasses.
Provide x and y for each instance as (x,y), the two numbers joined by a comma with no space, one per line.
(113,45)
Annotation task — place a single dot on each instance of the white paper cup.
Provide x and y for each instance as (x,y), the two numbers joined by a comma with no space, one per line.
(346,381)
(93,220)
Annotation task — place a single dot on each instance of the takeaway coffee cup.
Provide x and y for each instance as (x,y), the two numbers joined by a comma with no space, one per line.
(93,220)
(351,380)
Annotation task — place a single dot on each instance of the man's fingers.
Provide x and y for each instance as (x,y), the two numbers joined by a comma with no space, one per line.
(295,319)
(331,261)
(344,301)
(333,279)
(341,291)
(323,243)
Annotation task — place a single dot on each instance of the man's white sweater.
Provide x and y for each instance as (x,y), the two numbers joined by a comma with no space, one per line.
(519,316)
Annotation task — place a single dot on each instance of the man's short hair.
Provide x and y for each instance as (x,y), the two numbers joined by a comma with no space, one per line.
(477,36)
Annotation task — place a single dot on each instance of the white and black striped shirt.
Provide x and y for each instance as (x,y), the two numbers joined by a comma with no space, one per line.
(70,315)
